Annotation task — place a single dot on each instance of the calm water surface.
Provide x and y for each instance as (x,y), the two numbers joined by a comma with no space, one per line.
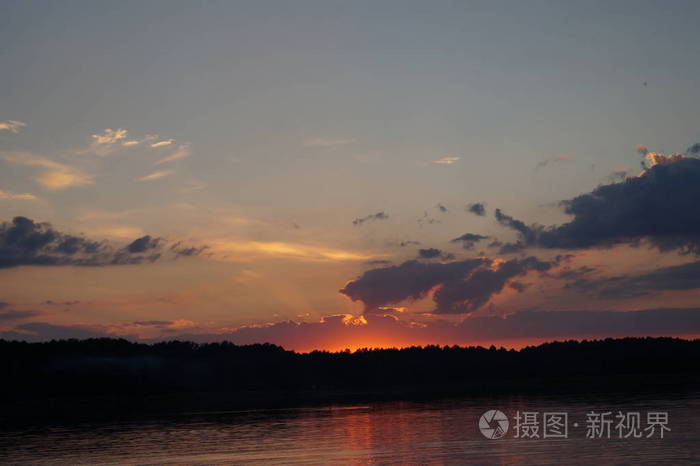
(438,432)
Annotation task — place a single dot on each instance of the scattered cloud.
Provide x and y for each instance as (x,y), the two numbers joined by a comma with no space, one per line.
(109,136)
(403,244)
(468,240)
(156,175)
(370,218)
(165,142)
(25,242)
(554,159)
(110,140)
(477,208)
(447,160)
(12,126)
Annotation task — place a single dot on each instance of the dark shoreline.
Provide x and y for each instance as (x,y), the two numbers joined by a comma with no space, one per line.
(96,380)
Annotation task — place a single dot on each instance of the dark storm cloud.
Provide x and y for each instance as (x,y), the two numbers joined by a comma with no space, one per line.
(433,253)
(464,286)
(659,206)
(617,176)
(412,279)
(526,233)
(673,278)
(468,240)
(429,253)
(468,295)
(143,244)
(25,242)
(694,149)
(370,218)
(187,251)
(190,251)
(477,208)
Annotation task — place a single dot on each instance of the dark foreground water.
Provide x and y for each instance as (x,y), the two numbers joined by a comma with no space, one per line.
(435,432)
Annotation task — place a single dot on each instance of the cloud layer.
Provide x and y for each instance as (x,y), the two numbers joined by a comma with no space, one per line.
(659,206)
(458,287)
(25,242)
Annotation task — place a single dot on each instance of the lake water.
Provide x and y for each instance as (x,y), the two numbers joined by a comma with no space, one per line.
(435,432)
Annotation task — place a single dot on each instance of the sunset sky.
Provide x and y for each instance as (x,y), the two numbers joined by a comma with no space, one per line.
(327,174)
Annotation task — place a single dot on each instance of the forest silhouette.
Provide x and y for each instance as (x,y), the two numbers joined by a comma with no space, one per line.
(224,375)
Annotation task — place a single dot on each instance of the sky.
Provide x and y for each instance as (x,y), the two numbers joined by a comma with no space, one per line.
(326,174)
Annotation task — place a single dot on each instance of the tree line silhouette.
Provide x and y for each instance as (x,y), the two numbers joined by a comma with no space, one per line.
(99,367)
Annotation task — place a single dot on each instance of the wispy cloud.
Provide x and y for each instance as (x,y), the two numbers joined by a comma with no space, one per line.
(7,195)
(110,140)
(182,152)
(156,175)
(328,142)
(279,249)
(12,126)
(370,218)
(163,143)
(109,136)
(447,160)
(56,176)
